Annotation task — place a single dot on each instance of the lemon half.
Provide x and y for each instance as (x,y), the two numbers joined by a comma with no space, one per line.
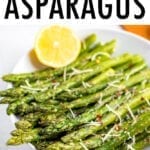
(57,46)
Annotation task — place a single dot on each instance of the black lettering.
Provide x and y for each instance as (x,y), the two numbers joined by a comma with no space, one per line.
(100,10)
(141,15)
(90,10)
(38,7)
(71,6)
(14,10)
(56,11)
(127,6)
(30,10)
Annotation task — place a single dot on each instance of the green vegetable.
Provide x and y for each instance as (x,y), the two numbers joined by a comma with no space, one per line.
(110,118)
(112,138)
(100,101)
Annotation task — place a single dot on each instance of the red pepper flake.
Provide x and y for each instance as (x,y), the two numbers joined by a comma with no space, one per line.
(118,93)
(142,98)
(130,66)
(99,119)
(53,81)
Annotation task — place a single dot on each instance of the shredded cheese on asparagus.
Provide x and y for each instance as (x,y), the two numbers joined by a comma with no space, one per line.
(100,102)
(77,71)
(147,101)
(144,83)
(130,137)
(72,113)
(85,84)
(83,145)
(113,111)
(69,91)
(128,95)
(100,53)
(131,73)
(108,134)
(33,89)
(131,113)
(113,84)
(27,83)
(93,123)
(55,85)
(129,147)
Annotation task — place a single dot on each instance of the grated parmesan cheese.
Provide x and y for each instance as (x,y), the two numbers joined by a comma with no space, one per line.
(72,113)
(85,84)
(131,113)
(55,85)
(100,53)
(65,74)
(27,83)
(77,71)
(113,111)
(108,134)
(33,89)
(129,147)
(100,102)
(93,123)
(83,145)
(147,101)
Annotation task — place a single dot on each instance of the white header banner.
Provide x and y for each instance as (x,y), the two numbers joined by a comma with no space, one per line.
(74,12)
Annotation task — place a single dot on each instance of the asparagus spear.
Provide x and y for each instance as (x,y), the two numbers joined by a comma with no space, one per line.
(24,137)
(38,119)
(87,43)
(110,118)
(29,120)
(41,145)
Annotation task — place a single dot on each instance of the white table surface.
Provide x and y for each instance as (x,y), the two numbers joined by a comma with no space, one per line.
(8,59)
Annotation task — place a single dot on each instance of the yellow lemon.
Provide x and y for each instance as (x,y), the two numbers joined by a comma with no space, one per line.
(57,46)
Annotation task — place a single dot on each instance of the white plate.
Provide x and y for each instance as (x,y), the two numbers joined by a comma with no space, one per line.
(126,42)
